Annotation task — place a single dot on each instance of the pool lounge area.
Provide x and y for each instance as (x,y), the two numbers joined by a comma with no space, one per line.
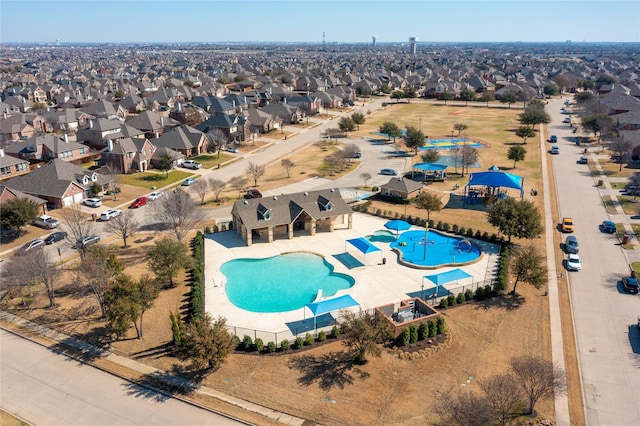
(377,283)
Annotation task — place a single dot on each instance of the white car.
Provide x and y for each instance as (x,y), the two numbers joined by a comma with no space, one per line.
(33,244)
(46,222)
(190,164)
(93,202)
(110,214)
(573,262)
(155,195)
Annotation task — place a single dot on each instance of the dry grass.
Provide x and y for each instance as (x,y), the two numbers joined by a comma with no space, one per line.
(7,419)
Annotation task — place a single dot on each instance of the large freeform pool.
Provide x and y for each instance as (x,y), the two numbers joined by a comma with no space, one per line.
(433,249)
(281,283)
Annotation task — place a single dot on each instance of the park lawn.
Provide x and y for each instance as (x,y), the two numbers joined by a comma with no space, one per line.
(629,204)
(612,168)
(210,161)
(157,179)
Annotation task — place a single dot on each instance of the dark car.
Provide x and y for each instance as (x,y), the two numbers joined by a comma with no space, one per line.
(571,244)
(55,237)
(253,193)
(630,284)
(609,227)
(138,202)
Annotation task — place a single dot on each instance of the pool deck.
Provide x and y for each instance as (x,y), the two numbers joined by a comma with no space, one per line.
(376,284)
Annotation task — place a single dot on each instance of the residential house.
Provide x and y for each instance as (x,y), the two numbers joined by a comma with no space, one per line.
(214,105)
(231,125)
(309,104)
(128,155)
(7,194)
(285,216)
(287,113)
(261,122)
(401,188)
(161,151)
(97,132)
(151,123)
(185,140)
(45,147)
(12,166)
(105,109)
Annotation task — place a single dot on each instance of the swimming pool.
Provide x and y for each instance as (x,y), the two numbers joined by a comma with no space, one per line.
(382,236)
(440,250)
(281,283)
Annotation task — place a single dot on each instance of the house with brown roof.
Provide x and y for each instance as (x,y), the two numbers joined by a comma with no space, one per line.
(185,140)
(285,216)
(128,155)
(12,166)
(44,147)
(7,194)
(401,188)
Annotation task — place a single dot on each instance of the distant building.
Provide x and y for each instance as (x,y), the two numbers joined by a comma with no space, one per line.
(373,40)
(413,44)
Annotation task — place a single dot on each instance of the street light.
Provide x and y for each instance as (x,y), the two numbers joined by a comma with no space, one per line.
(420,121)
(452,137)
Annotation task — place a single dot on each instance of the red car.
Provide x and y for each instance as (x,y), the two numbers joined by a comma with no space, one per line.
(138,202)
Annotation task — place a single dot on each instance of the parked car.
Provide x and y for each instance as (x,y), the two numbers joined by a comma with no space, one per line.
(630,285)
(33,244)
(87,241)
(93,202)
(138,202)
(253,193)
(567,224)
(188,181)
(553,139)
(357,155)
(190,164)
(567,120)
(573,262)
(232,148)
(46,222)
(555,149)
(55,237)
(571,244)
(608,226)
(583,160)
(388,172)
(110,214)
(155,195)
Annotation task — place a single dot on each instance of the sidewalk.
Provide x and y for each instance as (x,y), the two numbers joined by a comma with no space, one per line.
(159,375)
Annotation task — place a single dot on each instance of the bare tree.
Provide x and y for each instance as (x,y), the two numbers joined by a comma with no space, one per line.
(124,225)
(177,211)
(469,157)
(365,176)
(287,165)
(255,171)
(350,151)
(35,266)
(218,140)
(115,182)
(463,408)
(201,187)
(333,162)
(98,270)
(504,395)
(79,225)
(538,378)
(238,183)
(621,150)
(216,186)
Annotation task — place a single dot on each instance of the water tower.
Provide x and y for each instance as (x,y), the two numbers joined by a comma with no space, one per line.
(373,40)
(413,42)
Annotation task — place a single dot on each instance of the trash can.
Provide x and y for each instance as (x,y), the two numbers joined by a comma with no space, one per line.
(600,182)
(625,239)
(94,217)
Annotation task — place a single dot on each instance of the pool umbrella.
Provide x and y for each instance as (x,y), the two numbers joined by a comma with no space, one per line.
(397,225)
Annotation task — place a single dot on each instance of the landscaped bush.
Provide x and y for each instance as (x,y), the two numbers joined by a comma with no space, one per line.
(503,274)
(480,293)
(469,232)
(309,340)
(378,212)
(478,234)
(445,227)
(298,343)
(271,347)
(444,302)
(207,230)
(485,236)
(322,336)
(335,332)
(413,333)
(374,189)
(454,228)
(460,298)
(404,337)
(488,290)
(462,230)
(440,326)
(439,225)
(423,331)
(285,345)
(258,344)
(451,299)
(247,343)
(468,294)
(431,223)
(431,324)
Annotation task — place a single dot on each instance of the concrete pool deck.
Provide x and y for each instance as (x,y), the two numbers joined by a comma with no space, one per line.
(376,284)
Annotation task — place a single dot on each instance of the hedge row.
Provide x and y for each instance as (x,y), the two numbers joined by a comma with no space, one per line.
(197,294)
(414,333)
(503,273)
(247,344)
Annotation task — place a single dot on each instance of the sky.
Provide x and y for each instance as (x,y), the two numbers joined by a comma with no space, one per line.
(344,21)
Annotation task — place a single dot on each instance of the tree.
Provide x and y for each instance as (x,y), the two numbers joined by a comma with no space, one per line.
(414,138)
(115,179)
(534,116)
(238,183)
(17,212)
(516,153)
(287,165)
(363,334)
(503,396)
(445,96)
(525,132)
(583,97)
(124,225)
(256,171)
(350,151)
(635,181)
(390,129)
(430,156)
(201,187)
(146,293)
(216,186)
(333,162)
(469,156)
(428,201)
(346,124)
(409,93)
(34,267)
(463,408)
(365,176)
(167,258)
(509,98)
(597,123)
(520,219)
(487,97)
(126,302)
(358,119)
(99,269)
(528,267)
(467,95)
(78,226)
(621,150)
(205,343)
(550,89)
(538,378)
(176,210)
(397,94)
(460,127)
(218,140)
(165,164)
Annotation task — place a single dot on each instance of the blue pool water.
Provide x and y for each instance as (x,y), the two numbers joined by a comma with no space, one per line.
(382,236)
(439,250)
(281,283)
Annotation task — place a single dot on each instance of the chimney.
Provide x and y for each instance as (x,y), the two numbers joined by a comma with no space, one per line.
(179,107)
(109,145)
(91,124)
(162,122)
(233,103)
(66,138)
(157,134)
(1,153)
(285,101)
(245,99)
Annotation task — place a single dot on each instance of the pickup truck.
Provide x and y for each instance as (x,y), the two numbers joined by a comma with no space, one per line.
(190,164)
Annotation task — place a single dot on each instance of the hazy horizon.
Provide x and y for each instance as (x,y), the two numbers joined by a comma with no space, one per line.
(331,21)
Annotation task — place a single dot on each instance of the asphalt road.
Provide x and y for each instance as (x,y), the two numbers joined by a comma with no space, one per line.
(608,340)
(46,388)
